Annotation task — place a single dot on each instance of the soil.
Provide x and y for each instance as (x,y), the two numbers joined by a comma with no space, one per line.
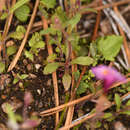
(41,88)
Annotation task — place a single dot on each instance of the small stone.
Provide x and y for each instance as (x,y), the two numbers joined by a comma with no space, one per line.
(29,67)
(39,91)
(9,43)
(25,62)
(37,66)
(44,92)
(20,84)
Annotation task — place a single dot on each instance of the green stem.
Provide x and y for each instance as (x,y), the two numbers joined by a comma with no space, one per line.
(63,112)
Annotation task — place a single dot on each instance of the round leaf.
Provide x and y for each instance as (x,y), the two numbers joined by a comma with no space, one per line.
(22,13)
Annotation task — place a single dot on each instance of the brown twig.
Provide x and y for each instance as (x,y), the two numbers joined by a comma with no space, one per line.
(108,5)
(127,50)
(85,98)
(15,60)
(6,30)
(90,116)
(71,109)
(54,76)
(97,23)
(61,107)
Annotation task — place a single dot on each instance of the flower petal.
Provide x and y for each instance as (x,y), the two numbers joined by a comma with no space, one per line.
(109,75)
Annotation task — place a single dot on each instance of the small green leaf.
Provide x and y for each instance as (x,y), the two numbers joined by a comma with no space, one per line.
(110,46)
(49,3)
(15,80)
(128,88)
(48,31)
(21,29)
(10,112)
(2,67)
(18,5)
(16,35)
(117,101)
(19,33)
(83,60)
(66,80)
(36,41)
(51,67)
(93,49)
(3,16)
(22,13)
(128,103)
(126,112)
(39,44)
(23,76)
(98,124)
(11,50)
(29,55)
(82,88)
(107,115)
(43,11)
(74,21)
(51,57)
(89,10)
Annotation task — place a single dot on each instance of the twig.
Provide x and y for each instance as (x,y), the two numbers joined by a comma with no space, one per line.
(124,38)
(54,76)
(124,25)
(124,98)
(71,109)
(61,107)
(112,4)
(6,29)
(105,6)
(97,23)
(15,60)
(85,98)
(91,116)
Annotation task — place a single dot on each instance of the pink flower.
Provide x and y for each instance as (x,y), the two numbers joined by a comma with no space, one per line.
(29,123)
(28,99)
(109,75)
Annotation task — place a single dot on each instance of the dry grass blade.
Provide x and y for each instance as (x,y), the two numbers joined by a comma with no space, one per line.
(127,50)
(15,60)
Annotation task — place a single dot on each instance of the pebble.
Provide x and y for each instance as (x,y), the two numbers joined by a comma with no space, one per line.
(37,66)
(39,91)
